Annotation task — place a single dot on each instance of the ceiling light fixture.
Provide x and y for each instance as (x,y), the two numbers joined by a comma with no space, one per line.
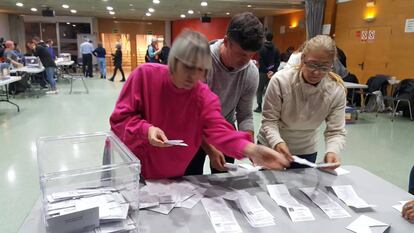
(190,12)
(33,9)
(151,10)
(73,25)
(249,5)
(109,8)
(73,11)
(131,4)
(156,1)
(182,15)
(227,13)
(65,6)
(19,4)
(203,3)
(111,12)
(148,14)
(67,23)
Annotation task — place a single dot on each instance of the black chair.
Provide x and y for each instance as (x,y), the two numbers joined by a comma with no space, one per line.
(403,98)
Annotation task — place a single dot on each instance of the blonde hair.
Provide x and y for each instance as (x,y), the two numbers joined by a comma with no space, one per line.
(320,42)
(326,44)
(192,49)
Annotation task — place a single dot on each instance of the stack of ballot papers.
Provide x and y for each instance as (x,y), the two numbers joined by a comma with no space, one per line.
(221,216)
(400,205)
(297,212)
(365,224)
(348,195)
(296,159)
(337,172)
(327,205)
(255,214)
(164,195)
(176,142)
(241,169)
(98,209)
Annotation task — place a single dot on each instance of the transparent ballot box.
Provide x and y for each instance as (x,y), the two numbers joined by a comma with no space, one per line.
(89,183)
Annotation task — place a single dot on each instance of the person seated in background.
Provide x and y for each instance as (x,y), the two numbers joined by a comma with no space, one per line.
(299,100)
(10,56)
(160,102)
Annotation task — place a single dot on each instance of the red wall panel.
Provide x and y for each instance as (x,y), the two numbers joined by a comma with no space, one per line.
(216,29)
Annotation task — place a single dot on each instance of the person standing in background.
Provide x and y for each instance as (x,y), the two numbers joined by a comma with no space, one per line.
(100,53)
(153,52)
(49,44)
(269,60)
(117,57)
(86,49)
(165,51)
(234,79)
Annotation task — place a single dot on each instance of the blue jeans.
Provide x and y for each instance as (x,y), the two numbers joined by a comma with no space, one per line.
(102,65)
(309,157)
(50,73)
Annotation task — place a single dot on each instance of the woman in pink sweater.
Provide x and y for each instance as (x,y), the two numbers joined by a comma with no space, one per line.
(159,103)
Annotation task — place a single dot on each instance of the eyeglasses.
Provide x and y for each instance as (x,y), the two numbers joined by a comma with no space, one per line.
(314,67)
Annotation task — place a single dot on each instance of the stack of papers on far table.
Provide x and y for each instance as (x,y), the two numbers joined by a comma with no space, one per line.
(297,212)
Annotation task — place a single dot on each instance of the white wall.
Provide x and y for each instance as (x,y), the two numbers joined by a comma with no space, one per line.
(4,26)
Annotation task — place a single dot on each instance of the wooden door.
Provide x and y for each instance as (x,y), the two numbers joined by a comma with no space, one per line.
(377,52)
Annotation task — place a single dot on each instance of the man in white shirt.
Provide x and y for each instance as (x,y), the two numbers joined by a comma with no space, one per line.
(86,49)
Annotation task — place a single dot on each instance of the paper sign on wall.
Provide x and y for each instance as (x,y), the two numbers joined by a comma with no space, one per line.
(282,29)
(371,35)
(364,36)
(409,25)
(326,29)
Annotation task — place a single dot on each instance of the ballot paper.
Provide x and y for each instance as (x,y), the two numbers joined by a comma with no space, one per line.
(76,221)
(176,142)
(296,159)
(399,207)
(118,227)
(297,212)
(337,172)
(170,194)
(327,205)
(255,214)
(241,169)
(348,195)
(364,223)
(221,216)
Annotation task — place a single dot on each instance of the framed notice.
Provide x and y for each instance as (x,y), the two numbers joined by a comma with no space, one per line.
(282,29)
(409,25)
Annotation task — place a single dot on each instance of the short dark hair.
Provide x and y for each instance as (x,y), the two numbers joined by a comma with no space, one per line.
(269,36)
(36,38)
(246,30)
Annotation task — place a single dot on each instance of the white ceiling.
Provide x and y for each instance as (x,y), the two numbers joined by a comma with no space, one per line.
(165,10)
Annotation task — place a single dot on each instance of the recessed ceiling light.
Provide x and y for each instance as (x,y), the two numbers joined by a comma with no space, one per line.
(65,6)
(111,12)
(249,5)
(131,4)
(104,0)
(109,8)
(132,9)
(182,15)
(67,23)
(33,9)
(190,12)
(151,10)
(19,4)
(203,3)
(148,14)
(74,25)
(156,1)
(227,13)
(73,11)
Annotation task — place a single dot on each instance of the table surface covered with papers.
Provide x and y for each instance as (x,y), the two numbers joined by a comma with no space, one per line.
(371,188)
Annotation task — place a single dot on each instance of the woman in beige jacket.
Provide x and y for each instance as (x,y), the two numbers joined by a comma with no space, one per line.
(299,99)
